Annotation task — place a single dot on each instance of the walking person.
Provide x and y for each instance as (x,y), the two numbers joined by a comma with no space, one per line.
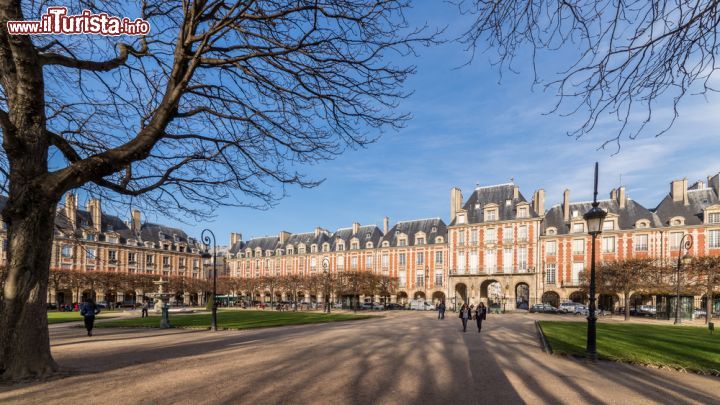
(465,314)
(480,315)
(441,310)
(88,311)
(144,308)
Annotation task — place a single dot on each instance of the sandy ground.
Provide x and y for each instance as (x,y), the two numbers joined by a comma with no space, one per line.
(404,358)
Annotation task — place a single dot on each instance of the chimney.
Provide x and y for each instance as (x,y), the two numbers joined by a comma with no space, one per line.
(355,228)
(318,231)
(613,194)
(135,224)
(566,205)
(283,236)
(539,202)
(93,206)
(516,192)
(714,183)
(678,190)
(70,209)
(622,199)
(456,201)
(386,225)
(235,238)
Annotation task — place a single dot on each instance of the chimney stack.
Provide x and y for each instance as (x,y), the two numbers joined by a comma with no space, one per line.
(93,206)
(613,194)
(678,191)
(355,228)
(566,205)
(456,201)
(621,199)
(386,225)
(318,231)
(714,183)
(539,202)
(71,209)
(235,238)
(516,192)
(283,236)
(135,224)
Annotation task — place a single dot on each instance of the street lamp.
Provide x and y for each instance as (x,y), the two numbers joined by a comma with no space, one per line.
(325,265)
(594,218)
(205,237)
(684,244)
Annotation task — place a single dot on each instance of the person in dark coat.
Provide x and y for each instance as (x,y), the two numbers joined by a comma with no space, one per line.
(88,311)
(480,315)
(144,308)
(441,310)
(465,314)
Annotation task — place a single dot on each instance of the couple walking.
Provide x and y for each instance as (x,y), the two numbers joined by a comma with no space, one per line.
(467,313)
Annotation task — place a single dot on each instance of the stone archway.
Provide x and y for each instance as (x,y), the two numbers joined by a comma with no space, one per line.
(491,290)
(579,297)
(552,298)
(129,298)
(438,296)
(522,296)
(402,297)
(608,302)
(419,295)
(461,294)
(63,298)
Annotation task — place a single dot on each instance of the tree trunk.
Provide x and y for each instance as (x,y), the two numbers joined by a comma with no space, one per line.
(627,305)
(24,336)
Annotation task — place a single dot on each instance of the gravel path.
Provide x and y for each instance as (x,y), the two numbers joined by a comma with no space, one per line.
(406,357)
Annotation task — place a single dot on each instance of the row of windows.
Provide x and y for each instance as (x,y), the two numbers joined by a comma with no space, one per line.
(491,235)
(91,254)
(490,261)
(640,243)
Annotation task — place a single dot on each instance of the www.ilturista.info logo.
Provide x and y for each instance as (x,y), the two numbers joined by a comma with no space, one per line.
(56,21)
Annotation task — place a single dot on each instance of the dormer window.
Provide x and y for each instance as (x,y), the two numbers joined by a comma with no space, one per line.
(713,218)
(578,227)
(340,247)
(313,248)
(575,213)
(402,242)
(677,221)
(551,231)
(434,229)
(420,241)
(439,239)
(326,247)
(290,250)
(608,225)
(461,218)
(491,214)
(278,252)
(368,235)
(522,212)
(354,245)
(642,224)
(385,243)
(369,245)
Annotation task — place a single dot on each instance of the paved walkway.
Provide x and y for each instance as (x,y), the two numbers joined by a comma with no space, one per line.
(406,357)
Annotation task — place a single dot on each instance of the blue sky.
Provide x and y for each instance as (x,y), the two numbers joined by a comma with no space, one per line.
(469,127)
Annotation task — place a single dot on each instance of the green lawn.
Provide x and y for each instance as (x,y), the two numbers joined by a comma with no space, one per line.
(692,348)
(237,319)
(60,317)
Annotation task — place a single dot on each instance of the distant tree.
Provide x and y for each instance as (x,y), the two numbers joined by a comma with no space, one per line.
(293,284)
(624,277)
(388,286)
(705,274)
(272,284)
(626,59)
(58,279)
(219,104)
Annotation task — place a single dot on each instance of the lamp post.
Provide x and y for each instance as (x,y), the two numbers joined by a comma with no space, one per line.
(325,265)
(684,244)
(205,237)
(594,218)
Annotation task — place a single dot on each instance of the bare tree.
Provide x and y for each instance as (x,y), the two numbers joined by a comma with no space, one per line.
(626,59)
(624,277)
(705,275)
(219,104)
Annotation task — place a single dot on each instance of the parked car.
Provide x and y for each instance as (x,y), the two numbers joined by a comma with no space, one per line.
(394,306)
(699,313)
(568,307)
(581,309)
(421,305)
(371,306)
(543,308)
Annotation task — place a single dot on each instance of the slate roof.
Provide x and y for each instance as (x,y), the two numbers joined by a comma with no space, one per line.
(410,228)
(307,238)
(627,217)
(346,234)
(698,200)
(499,194)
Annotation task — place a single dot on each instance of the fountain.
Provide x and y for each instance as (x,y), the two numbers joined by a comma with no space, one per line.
(161,303)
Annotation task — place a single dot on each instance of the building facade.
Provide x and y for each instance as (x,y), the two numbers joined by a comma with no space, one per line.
(90,241)
(499,247)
